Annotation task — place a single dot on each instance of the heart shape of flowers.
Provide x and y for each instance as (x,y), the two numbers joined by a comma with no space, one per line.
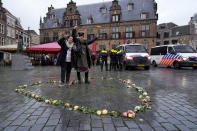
(143,96)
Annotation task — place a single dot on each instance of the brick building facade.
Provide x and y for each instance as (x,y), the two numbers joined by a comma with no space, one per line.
(118,22)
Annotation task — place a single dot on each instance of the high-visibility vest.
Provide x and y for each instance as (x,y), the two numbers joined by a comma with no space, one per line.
(119,52)
(103,51)
(114,51)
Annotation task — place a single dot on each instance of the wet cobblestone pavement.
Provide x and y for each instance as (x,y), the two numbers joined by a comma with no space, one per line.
(173,94)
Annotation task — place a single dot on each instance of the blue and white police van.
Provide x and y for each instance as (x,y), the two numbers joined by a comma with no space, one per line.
(176,56)
(135,55)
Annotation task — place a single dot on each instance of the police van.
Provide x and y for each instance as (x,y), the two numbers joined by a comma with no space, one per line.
(174,56)
(135,55)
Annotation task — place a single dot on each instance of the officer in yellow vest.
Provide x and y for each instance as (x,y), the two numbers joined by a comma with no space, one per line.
(119,59)
(104,55)
(113,59)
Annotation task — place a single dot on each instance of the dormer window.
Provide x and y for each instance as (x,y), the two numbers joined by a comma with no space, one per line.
(130,6)
(115,18)
(55,24)
(52,16)
(90,20)
(144,15)
(103,10)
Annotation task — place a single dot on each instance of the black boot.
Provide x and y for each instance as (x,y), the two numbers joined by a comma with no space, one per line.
(86,78)
(79,77)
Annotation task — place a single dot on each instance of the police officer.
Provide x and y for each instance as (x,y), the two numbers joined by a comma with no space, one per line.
(104,55)
(120,59)
(113,60)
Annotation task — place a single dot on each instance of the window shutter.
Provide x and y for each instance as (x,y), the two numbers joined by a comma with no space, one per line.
(118,17)
(111,18)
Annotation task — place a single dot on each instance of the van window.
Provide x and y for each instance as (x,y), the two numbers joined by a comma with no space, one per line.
(163,50)
(135,48)
(159,50)
(184,49)
(155,51)
(171,50)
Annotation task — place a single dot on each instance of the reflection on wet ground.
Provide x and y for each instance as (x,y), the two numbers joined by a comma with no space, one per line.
(173,95)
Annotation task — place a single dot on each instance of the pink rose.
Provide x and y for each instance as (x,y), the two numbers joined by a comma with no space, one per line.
(125,114)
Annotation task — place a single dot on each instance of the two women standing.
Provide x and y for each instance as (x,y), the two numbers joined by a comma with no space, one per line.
(74,53)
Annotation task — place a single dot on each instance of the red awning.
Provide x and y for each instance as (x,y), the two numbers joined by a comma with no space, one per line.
(45,48)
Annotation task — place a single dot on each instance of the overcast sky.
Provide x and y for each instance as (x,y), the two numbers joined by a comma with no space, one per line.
(29,11)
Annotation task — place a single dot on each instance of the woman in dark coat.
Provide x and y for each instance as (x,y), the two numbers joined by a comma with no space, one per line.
(83,54)
(66,58)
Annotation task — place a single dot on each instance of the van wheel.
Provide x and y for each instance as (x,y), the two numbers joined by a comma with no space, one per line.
(147,67)
(154,64)
(176,65)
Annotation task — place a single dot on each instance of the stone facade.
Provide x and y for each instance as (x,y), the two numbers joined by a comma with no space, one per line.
(11,29)
(164,33)
(2,25)
(109,24)
(193,29)
(170,33)
(34,37)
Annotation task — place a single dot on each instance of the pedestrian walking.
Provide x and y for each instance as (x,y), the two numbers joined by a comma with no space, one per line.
(104,56)
(83,54)
(66,58)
